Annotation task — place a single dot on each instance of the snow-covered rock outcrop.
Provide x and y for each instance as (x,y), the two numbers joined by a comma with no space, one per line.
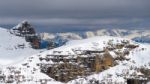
(23,29)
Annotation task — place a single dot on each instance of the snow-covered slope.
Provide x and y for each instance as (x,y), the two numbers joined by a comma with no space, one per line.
(13,48)
(29,71)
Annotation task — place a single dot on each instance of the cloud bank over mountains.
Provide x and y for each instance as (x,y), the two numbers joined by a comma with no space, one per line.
(74,12)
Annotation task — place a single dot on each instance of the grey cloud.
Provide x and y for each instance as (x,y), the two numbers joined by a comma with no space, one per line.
(71,21)
(60,8)
(73,12)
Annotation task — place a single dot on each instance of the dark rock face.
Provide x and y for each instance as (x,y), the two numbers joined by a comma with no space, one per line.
(66,69)
(24,29)
(136,81)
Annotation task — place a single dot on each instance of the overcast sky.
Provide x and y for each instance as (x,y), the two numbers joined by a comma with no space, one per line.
(74,12)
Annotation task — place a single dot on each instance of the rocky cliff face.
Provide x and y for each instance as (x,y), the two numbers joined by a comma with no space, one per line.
(85,62)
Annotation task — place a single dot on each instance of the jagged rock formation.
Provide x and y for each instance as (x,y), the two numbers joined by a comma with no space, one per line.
(23,29)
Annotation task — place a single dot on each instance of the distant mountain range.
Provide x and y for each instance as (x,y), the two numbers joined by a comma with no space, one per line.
(136,35)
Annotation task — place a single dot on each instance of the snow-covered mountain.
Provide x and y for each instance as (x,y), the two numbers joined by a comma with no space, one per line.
(136,35)
(127,58)
(13,48)
(130,34)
